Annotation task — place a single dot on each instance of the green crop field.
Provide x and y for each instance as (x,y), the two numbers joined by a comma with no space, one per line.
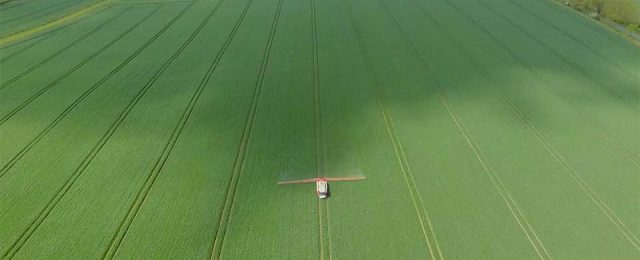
(158,129)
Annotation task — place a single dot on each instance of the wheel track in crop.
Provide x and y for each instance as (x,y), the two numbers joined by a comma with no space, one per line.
(143,193)
(13,6)
(323,207)
(76,67)
(65,112)
(328,229)
(316,95)
(21,50)
(513,205)
(504,193)
(61,51)
(32,12)
(155,2)
(568,35)
(62,191)
(34,16)
(57,22)
(217,245)
(48,33)
(584,186)
(588,76)
(607,135)
(421,210)
(39,13)
(324,244)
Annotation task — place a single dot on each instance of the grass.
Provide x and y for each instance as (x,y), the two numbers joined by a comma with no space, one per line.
(491,129)
(622,11)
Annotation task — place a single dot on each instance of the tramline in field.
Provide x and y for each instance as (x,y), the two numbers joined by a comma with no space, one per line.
(490,129)
(322,183)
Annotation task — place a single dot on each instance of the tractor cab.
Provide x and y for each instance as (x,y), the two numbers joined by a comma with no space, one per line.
(322,188)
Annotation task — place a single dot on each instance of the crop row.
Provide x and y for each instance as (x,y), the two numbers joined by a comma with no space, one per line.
(97,104)
(35,12)
(148,131)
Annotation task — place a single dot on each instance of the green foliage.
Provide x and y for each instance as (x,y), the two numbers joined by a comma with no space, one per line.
(486,130)
(621,11)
